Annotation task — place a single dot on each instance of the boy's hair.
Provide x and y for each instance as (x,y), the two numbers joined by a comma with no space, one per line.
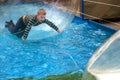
(42,11)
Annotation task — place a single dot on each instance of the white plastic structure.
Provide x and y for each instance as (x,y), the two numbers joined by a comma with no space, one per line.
(105,63)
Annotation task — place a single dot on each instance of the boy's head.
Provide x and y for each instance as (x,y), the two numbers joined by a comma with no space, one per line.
(41,14)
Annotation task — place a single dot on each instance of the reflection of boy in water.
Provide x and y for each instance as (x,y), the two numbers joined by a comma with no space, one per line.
(23,26)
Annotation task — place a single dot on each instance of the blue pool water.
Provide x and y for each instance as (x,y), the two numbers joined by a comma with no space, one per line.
(68,51)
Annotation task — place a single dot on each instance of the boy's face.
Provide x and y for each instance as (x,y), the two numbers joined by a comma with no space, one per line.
(40,16)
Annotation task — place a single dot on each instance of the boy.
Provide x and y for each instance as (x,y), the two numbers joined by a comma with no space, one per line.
(23,26)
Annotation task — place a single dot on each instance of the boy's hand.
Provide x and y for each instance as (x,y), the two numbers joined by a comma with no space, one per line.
(24,38)
(58,31)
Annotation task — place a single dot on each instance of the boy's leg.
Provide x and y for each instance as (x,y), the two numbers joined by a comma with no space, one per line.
(11,26)
(17,29)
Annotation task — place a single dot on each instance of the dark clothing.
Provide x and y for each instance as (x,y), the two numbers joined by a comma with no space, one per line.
(17,29)
(20,27)
(23,26)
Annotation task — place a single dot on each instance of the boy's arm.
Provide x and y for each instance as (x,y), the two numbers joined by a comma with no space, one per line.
(27,29)
(52,25)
